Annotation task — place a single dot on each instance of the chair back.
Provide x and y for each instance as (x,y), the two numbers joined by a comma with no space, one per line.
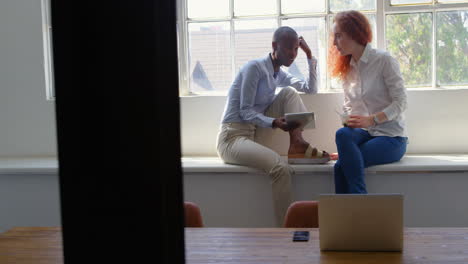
(193,216)
(302,214)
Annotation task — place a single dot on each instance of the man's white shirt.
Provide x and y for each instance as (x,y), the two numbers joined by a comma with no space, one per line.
(254,87)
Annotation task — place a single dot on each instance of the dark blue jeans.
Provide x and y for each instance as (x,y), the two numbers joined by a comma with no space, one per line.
(357,150)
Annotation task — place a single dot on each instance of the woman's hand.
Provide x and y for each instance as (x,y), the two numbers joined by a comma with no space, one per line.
(356,121)
(303,45)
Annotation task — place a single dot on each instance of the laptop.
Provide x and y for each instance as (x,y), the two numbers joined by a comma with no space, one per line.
(361,222)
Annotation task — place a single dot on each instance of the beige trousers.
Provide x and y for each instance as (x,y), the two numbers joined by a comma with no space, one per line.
(236,144)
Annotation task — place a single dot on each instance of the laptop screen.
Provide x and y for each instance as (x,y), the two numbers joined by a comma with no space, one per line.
(361,222)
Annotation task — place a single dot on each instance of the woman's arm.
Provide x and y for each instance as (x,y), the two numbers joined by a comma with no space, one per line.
(396,89)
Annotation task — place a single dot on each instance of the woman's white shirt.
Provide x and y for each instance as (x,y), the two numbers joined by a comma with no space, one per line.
(374,84)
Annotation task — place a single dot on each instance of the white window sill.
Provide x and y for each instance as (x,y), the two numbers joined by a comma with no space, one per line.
(409,163)
(39,165)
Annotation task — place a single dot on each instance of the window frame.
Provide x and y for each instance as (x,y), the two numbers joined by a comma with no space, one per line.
(382,9)
(47,47)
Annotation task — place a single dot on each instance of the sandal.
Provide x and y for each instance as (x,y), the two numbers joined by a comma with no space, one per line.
(311,156)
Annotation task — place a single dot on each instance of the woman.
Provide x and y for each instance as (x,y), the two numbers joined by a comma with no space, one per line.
(374,99)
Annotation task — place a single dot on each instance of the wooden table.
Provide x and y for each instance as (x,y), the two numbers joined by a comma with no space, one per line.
(274,245)
(28,245)
(31,245)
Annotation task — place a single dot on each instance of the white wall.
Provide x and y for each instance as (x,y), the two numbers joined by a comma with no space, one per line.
(437,122)
(29,199)
(27,119)
(432,199)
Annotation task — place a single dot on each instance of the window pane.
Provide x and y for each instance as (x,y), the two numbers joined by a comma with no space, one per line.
(253,39)
(254,7)
(198,8)
(409,39)
(371,18)
(341,5)
(452,48)
(209,56)
(452,1)
(313,31)
(302,6)
(406,2)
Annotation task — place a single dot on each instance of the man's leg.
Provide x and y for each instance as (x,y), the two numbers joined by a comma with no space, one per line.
(287,101)
(237,147)
(350,169)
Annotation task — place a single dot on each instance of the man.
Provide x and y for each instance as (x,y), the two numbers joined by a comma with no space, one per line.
(252,103)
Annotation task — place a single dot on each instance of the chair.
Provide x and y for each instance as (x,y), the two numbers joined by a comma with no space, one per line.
(302,214)
(193,216)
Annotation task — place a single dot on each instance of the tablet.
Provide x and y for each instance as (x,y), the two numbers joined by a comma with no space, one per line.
(306,119)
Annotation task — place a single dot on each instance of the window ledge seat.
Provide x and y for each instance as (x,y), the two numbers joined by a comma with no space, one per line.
(29,165)
(434,187)
(409,163)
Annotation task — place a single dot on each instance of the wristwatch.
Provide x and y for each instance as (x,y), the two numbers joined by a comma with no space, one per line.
(376,120)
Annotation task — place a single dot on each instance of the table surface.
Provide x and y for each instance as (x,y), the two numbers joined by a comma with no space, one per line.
(274,245)
(31,245)
(27,245)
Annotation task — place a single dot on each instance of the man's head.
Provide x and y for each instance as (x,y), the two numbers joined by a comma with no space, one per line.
(285,45)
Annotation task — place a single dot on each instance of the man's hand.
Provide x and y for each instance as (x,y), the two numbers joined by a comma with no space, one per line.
(281,123)
(305,47)
(356,121)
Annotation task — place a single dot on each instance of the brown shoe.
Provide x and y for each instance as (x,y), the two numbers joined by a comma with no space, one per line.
(310,156)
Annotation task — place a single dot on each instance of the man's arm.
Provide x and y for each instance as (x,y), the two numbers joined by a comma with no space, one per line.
(281,123)
(311,83)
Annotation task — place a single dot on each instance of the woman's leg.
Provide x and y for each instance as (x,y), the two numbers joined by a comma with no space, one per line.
(349,169)
(382,150)
(341,185)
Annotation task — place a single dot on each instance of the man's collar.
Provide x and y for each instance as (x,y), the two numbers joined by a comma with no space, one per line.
(269,64)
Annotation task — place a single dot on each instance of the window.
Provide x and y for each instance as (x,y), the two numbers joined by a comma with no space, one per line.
(217,37)
(430,40)
(47,45)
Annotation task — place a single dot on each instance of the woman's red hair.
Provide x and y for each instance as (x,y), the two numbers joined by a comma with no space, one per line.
(356,25)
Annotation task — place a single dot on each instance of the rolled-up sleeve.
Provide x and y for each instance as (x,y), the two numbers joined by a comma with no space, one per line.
(309,85)
(248,90)
(396,88)
(347,104)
